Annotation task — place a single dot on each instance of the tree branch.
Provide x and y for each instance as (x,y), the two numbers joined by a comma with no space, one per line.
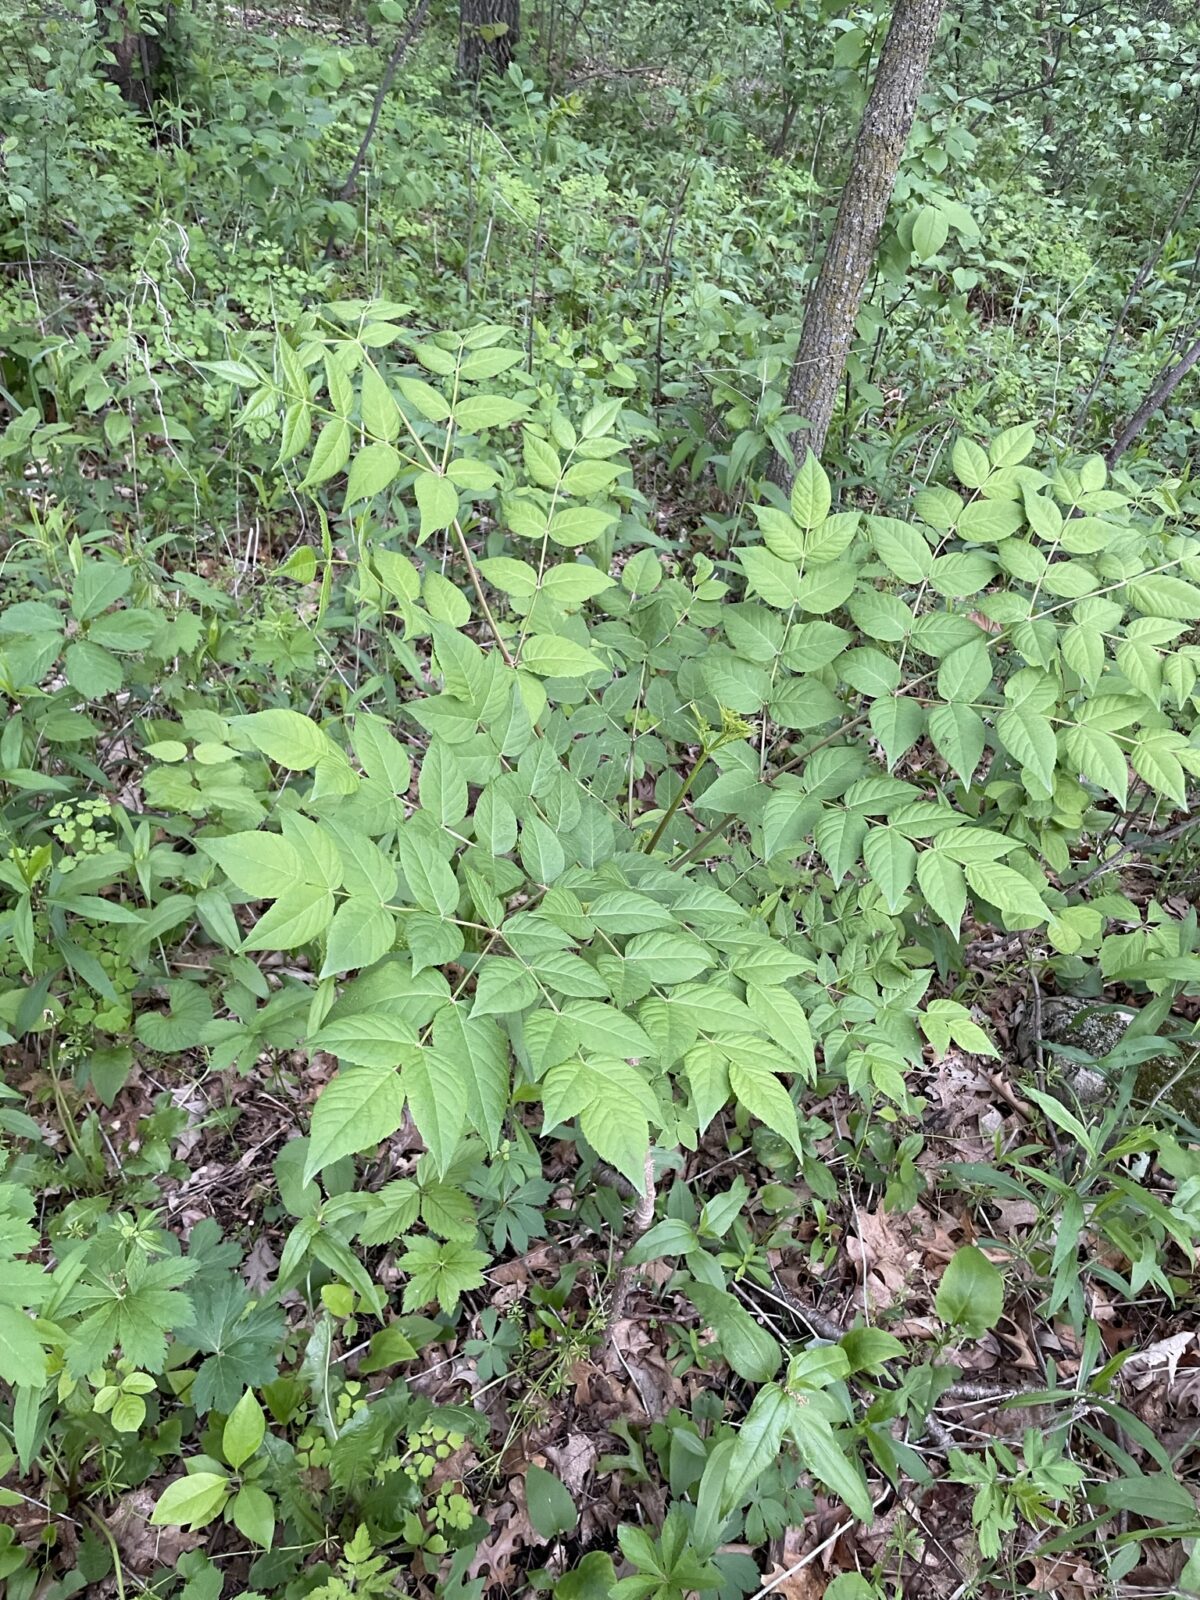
(1162,391)
(411,27)
(1135,288)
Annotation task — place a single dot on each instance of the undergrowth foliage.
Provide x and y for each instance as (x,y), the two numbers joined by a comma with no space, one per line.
(499,902)
(581,839)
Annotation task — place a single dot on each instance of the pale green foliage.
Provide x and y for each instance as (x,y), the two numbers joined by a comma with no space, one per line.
(1028,621)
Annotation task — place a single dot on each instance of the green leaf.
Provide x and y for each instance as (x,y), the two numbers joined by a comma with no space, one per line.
(254,1515)
(22,1358)
(192,1501)
(438,1102)
(851,1586)
(1029,738)
(434,359)
(668,957)
(295,432)
(437,500)
(832,538)
(358,1108)
(782,536)
(570,584)
(764,1097)
(929,233)
(622,911)
(966,672)
(943,884)
(970,1296)
(811,497)
(901,548)
(870,1349)
(1097,756)
(971,465)
(944,1021)
(590,477)
(481,411)
(503,986)
(1010,892)
(441,1270)
(767,575)
(541,460)
(245,1430)
(958,736)
(614,1105)
(707,1071)
(285,737)
(839,837)
(442,785)
(424,398)
(375,468)
(260,864)
(98,585)
(552,656)
(1159,594)
(367,1041)
(746,1345)
(784,1019)
(1154,759)
(380,413)
(430,881)
(897,721)
(361,932)
(297,918)
(1158,1496)
(827,1461)
(477,1052)
(330,453)
(869,671)
(595,1578)
(603,1030)
(1009,448)
(551,1508)
(891,860)
(92,670)
(514,578)
(826,588)
(758,1441)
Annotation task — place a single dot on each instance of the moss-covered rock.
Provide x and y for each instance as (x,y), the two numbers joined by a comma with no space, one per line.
(1094,1029)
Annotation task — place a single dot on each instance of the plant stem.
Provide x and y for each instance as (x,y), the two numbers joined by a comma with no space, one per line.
(665,819)
(643,1216)
(479,594)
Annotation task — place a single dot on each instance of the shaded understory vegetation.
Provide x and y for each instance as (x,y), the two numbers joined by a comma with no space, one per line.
(591,1004)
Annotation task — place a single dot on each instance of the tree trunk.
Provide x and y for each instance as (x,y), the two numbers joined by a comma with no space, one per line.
(488,31)
(136,62)
(835,297)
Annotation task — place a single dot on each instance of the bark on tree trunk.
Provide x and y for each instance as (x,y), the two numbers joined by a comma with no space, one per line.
(835,297)
(488,31)
(137,57)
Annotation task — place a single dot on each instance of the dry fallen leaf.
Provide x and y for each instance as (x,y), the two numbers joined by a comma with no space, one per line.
(142,1547)
(882,1253)
(573,1460)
